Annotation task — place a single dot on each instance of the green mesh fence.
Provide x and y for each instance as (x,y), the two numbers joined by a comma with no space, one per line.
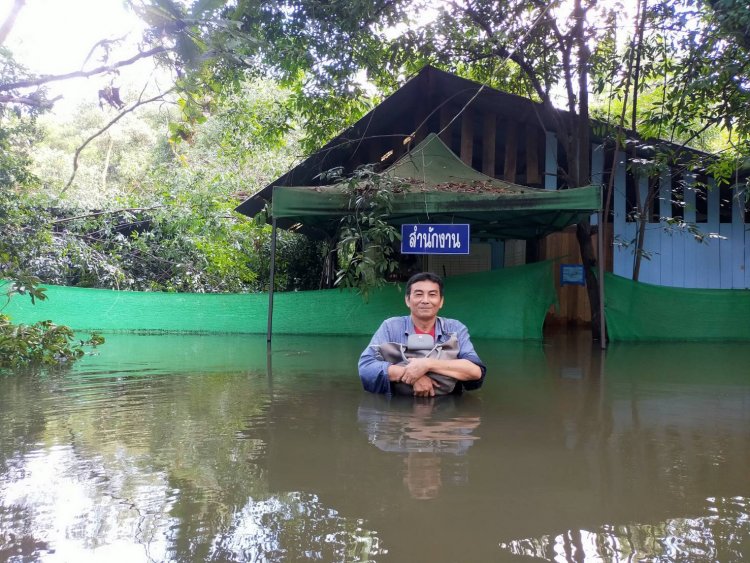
(508,303)
(640,311)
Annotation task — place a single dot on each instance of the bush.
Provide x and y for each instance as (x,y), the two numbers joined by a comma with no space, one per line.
(43,343)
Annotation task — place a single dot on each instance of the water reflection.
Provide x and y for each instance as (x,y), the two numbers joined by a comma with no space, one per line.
(293,527)
(424,431)
(124,460)
(720,535)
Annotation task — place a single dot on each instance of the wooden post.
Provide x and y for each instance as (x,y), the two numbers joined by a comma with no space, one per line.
(273,271)
(511,151)
(550,161)
(533,175)
(602,321)
(467,136)
(489,134)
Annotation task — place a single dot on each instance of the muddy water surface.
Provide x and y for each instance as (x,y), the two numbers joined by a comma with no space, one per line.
(204,448)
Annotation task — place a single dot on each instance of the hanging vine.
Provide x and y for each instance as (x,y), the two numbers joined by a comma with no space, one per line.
(366,239)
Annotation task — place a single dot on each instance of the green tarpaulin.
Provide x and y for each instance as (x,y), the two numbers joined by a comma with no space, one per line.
(443,189)
(509,303)
(645,312)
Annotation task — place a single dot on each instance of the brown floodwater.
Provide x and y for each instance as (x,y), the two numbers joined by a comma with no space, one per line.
(207,448)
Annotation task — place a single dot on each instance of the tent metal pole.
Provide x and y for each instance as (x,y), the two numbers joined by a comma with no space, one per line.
(271,282)
(602,322)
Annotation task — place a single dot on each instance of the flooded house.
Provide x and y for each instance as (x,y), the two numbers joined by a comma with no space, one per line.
(693,232)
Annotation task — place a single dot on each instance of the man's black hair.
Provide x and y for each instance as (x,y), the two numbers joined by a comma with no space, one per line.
(424,276)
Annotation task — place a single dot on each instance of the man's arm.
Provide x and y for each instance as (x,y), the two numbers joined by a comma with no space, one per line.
(467,368)
(375,373)
(460,370)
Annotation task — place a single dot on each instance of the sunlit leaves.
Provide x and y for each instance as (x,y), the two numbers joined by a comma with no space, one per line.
(705,78)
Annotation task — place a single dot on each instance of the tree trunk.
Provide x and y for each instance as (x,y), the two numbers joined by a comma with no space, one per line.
(10,21)
(582,167)
(105,168)
(645,211)
(589,259)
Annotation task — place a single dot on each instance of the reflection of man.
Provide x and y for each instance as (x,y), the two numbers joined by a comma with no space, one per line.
(433,437)
(424,298)
(423,475)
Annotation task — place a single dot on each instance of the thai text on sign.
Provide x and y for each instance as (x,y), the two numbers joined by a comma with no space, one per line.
(435,239)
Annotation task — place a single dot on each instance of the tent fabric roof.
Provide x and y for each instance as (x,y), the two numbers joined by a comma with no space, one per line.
(443,189)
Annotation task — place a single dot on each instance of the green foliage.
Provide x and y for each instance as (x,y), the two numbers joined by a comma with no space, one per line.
(366,239)
(316,48)
(15,101)
(24,285)
(41,344)
(197,246)
(326,114)
(114,165)
(145,214)
(701,74)
(23,222)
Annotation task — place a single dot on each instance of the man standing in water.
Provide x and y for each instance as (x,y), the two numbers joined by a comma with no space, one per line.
(424,298)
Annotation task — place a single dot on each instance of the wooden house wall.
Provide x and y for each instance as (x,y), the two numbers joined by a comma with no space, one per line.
(715,255)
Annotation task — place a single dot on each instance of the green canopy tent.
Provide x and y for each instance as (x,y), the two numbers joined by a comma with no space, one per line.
(440,188)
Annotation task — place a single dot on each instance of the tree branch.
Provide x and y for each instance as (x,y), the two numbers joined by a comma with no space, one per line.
(10,21)
(122,114)
(31,101)
(109,212)
(47,78)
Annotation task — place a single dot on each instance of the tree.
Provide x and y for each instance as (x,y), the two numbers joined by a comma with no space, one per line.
(705,77)
(531,43)
(688,63)
(696,50)
(538,46)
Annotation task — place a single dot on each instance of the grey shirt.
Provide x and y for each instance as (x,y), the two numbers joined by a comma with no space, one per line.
(373,369)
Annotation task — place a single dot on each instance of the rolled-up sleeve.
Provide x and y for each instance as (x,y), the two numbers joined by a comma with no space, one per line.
(373,370)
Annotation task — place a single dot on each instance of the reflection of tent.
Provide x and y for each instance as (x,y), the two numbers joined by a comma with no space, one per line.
(443,189)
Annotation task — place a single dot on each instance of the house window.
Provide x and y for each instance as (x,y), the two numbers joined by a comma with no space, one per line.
(726,200)
(631,198)
(678,195)
(701,200)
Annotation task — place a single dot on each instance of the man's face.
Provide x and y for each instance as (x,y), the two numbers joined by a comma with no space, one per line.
(424,300)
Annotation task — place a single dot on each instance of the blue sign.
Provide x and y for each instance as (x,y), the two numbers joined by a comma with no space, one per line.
(434,239)
(572,274)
